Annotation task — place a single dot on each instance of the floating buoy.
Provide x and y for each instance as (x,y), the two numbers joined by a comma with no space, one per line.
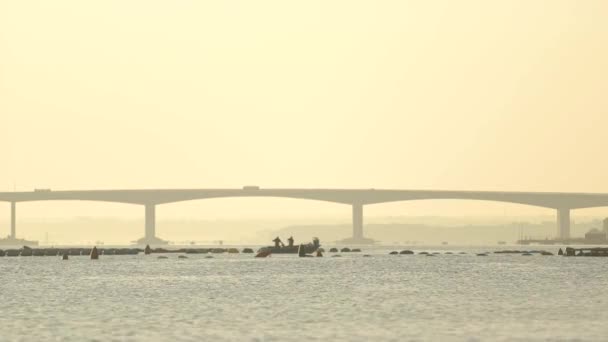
(94,253)
(147,250)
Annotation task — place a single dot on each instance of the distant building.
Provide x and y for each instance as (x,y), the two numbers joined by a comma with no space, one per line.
(596,236)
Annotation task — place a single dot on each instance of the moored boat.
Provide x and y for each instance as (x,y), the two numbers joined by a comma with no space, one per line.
(309,248)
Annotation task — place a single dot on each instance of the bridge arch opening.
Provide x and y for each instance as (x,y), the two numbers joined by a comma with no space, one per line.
(5,219)
(246,220)
(586,219)
(457,221)
(74,222)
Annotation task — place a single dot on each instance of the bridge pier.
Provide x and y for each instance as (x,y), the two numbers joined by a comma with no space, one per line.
(357,222)
(13,220)
(150,223)
(563,223)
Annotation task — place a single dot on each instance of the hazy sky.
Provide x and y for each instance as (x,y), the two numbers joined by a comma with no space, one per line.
(505,95)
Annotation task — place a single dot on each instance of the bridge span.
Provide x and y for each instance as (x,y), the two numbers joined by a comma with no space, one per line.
(563,203)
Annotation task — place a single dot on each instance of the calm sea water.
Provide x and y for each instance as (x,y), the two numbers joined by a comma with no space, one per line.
(282,298)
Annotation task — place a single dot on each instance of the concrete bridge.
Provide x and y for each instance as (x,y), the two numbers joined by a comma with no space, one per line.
(563,203)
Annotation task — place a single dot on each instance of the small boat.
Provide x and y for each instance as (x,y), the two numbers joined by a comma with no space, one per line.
(309,248)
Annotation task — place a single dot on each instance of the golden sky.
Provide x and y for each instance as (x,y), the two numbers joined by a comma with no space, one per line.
(485,95)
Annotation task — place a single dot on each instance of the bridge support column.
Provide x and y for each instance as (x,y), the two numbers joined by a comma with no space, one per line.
(150,223)
(563,223)
(13,220)
(357,221)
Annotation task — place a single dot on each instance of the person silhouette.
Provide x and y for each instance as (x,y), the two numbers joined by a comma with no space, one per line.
(278,243)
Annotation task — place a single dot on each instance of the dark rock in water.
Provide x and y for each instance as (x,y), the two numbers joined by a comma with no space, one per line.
(94,253)
(462,253)
(233,251)
(356,250)
(366,255)
(147,250)
(197,251)
(560,252)
(38,252)
(65,257)
(336,256)
(319,254)
(75,251)
(321,250)
(182,257)
(209,257)
(162,257)
(51,252)
(218,250)
(333,250)
(423,253)
(393,253)
(2,253)
(247,250)
(26,252)
(13,252)
(406,252)
(527,254)
(263,253)
(27,247)
(482,254)
(345,250)
(430,255)
(545,253)
(448,253)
